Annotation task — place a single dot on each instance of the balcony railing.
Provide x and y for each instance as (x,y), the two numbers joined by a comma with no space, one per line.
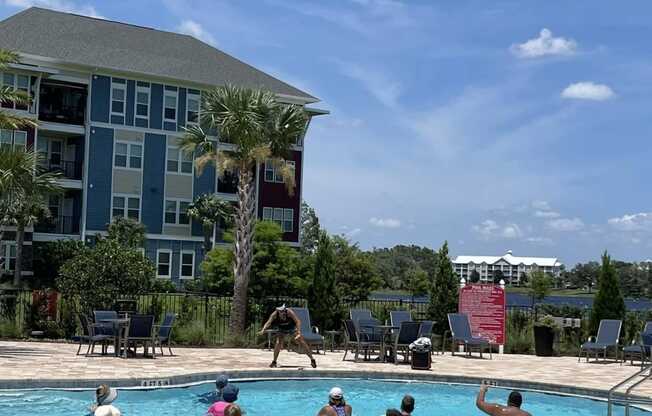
(70,169)
(227,183)
(62,103)
(61,224)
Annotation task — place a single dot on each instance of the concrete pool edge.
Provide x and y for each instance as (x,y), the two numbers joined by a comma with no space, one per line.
(260,375)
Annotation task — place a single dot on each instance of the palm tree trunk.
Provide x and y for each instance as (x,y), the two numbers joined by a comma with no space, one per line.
(208,246)
(20,238)
(244,232)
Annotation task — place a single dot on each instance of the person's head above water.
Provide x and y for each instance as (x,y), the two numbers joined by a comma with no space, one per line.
(105,395)
(335,396)
(221,381)
(393,412)
(515,399)
(407,404)
(230,393)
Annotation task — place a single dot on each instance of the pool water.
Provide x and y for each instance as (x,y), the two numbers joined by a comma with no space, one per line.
(298,398)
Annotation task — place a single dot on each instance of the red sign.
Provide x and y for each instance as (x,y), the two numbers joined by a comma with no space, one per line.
(485,307)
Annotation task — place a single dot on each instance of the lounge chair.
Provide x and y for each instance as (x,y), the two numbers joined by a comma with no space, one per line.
(426,329)
(608,335)
(141,333)
(310,333)
(164,332)
(358,314)
(367,329)
(356,341)
(460,331)
(105,328)
(641,349)
(90,337)
(396,318)
(408,333)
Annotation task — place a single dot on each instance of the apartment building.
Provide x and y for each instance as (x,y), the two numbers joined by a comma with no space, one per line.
(510,267)
(112,101)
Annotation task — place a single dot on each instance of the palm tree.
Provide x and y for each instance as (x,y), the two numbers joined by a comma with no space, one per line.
(208,210)
(9,95)
(24,189)
(260,128)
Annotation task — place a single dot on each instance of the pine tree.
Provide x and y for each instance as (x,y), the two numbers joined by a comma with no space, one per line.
(443,291)
(323,299)
(608,302)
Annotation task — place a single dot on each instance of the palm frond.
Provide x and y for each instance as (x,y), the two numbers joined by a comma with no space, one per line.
(12,122)
(9,95)
(197,142)
(8,57)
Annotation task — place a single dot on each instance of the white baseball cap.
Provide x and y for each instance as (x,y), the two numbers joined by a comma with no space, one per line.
(336,393)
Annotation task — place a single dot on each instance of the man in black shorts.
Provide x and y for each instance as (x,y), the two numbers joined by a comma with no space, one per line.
(286,323)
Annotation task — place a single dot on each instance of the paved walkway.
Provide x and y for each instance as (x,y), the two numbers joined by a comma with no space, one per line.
(25,364)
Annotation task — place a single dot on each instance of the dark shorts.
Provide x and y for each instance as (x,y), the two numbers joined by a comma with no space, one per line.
(285,331)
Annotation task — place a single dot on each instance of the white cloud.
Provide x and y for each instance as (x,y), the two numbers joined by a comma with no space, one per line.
(588,91)
(490,229)
(385,222)
(539,240)
(192,28)
(545,44)
(546,214)
(632,222)
(541,205)
(60,5)
(375,81)
(566,224)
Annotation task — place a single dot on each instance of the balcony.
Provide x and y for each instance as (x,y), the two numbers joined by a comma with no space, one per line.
(227,183)
(61,224)
(62,102)
(69,169)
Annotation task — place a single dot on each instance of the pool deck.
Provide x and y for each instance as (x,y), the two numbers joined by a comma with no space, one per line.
(41,364)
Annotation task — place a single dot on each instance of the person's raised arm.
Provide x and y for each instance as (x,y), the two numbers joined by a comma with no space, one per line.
(489,408)
(268,323)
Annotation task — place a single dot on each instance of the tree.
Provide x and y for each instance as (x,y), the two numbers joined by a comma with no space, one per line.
(443,291)
(48,259)
(356,273)
(127,232)
(323,298)
(474,277)
(8,95)
(498,276)
(418,282)
(584,275)
(24,188)
(310,230)
(394,264)
(540,285)
(98,275)
(209,210)
(217,272)
(260,129)
(608,302)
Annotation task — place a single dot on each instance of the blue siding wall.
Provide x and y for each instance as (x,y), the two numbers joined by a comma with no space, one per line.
(100,97)
(156,110)
(181,116)
(153,182)
(204,184)
(131,97)
(100,155)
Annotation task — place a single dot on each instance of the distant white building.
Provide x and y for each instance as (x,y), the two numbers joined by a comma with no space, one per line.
(512,267)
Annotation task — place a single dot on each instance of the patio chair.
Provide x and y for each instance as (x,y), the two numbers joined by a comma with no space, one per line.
(164,332)
(408,333)
(105,328)
(608,335)
(310,333)
(90,337)
(396,318)
(642,349)
(426,329)
(367,331)
(354,340)
(357,314)
(460,331)
(141,333)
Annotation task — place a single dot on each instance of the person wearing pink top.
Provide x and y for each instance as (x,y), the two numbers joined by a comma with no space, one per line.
(224,409)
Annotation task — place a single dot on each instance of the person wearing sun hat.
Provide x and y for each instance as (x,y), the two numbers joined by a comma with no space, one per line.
(336,405)
(104,397)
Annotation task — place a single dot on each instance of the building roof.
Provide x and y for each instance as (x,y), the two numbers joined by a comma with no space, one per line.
(509,258)
(105,44)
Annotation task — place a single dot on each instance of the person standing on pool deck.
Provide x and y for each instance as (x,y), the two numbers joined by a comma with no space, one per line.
(286,323)
(336,405)
(513,407)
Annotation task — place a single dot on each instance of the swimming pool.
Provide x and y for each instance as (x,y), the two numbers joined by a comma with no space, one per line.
(298,398)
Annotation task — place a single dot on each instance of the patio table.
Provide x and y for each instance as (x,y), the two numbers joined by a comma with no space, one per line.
(385,333)
(120,334)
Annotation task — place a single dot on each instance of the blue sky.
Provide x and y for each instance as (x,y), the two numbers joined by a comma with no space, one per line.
(493,125)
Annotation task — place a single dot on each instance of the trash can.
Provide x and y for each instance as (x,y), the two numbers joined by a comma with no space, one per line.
(421,359)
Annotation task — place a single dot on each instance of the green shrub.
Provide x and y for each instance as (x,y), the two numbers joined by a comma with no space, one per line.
(519,334)
(192,333)
(9,329)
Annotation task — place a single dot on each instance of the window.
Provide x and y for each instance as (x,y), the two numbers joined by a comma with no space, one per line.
(126,206)
(192,104)
(187,265)
(15,138)
(284,217)
(163,263)
(176,212)
(179,161)
(170,104)
(128,155)
(273,173)
(118,96)
(8,254)
(142,101)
